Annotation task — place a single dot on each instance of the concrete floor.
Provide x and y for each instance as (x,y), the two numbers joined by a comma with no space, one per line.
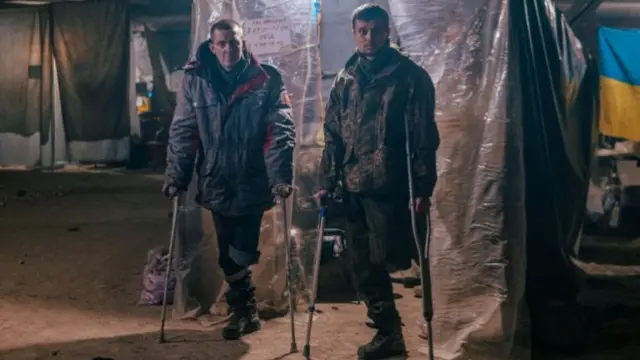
(72,250)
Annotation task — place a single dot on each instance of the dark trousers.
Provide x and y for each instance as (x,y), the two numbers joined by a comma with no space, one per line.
(238,239)
(377,233)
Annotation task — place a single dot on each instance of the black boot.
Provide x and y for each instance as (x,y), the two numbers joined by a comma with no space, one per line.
(388,341)
(377,292)
(244,318)
(383,346)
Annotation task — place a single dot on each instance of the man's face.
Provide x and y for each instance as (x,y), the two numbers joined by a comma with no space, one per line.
(370,36)
(226,45)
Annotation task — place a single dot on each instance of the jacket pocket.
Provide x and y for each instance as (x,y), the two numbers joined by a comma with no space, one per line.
(207,109)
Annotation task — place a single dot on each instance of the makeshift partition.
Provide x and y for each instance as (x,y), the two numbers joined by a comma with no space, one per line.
(514,107)
(83,96)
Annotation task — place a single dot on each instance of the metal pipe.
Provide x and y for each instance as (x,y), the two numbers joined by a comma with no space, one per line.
(610,8)
(52,131)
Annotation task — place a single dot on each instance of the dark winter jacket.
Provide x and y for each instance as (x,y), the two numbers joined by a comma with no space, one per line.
(240,142)
(364,126)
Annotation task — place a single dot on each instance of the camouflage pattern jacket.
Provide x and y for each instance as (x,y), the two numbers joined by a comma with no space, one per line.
(239,138)
(364,128)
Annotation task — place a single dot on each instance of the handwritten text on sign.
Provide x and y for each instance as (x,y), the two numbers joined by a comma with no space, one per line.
(267,36)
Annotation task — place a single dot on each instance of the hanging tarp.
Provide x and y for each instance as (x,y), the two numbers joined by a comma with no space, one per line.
(25,85)
(22,49)
(514,110)
(91,48)
(559,85)
(618,55)
(478,252)
(515,101)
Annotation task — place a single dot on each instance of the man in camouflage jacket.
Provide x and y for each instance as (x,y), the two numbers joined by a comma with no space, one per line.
(233,124)
(364,128)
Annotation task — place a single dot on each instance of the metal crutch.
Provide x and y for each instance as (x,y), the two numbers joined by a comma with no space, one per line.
(172,240)
(306,352)
(287,245)
(423,254)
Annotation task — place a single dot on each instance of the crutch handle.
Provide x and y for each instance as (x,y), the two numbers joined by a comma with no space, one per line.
(323,198)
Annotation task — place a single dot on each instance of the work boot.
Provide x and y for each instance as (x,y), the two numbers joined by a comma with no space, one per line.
(242,302)
(383,346)
(243,321)
(388,341)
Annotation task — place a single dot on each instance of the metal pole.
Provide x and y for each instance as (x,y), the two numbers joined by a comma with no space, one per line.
(423,253)
(167,276)
(52,112)
(306,351)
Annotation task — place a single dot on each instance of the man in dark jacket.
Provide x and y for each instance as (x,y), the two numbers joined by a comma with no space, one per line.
(232,124)
(364,128)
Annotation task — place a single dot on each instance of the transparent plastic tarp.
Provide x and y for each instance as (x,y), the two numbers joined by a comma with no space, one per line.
(513,111)
(478,218)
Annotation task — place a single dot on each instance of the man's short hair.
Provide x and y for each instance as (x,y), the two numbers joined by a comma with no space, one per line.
(227,24)
(369,12)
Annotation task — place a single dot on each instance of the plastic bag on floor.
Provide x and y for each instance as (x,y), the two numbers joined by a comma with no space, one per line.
(153,278)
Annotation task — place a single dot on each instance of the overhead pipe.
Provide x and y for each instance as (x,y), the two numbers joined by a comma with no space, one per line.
(156,23)
(581,8)
(605,8)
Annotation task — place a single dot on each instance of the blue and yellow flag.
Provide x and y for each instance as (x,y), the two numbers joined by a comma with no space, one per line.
(619,58)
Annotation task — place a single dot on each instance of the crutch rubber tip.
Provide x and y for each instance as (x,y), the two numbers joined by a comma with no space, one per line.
(294,348)
(161,340)
(306,352)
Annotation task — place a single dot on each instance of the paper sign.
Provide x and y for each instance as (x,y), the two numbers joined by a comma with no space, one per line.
(267,36)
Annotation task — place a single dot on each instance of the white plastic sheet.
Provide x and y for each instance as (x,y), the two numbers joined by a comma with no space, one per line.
(478,244)
(484,61)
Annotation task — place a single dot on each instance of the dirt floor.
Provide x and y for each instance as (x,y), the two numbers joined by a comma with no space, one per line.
(72,248)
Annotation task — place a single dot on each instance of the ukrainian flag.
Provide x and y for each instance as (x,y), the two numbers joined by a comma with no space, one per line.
(619,63)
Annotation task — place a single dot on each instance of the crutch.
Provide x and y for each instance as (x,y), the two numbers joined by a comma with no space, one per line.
(287,245)
(423,254)
(306,352)
(167,276)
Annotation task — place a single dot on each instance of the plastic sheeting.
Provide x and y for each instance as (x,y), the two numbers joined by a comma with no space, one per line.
(478,244)
(514,110)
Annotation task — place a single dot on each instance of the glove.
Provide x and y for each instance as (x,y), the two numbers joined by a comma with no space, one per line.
(321,194)
(282,190)
(170,191)
(321,197)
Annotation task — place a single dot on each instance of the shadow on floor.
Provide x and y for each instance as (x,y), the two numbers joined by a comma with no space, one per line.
(182,344)
(606,319)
